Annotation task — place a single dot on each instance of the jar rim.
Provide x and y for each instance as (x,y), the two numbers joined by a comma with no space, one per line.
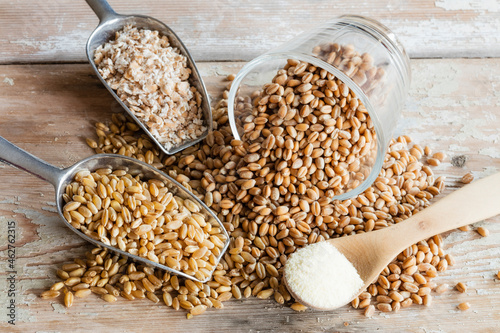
(385,35)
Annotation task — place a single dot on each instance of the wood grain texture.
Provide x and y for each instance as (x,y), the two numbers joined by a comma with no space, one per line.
(222,30)
(454,106)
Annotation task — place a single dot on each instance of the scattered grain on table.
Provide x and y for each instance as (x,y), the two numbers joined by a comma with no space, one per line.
(467,178)
(461,287)
(483,231)
(218,170)
(465,228)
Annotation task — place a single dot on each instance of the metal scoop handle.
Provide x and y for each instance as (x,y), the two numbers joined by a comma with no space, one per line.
(23,160)
(102,9)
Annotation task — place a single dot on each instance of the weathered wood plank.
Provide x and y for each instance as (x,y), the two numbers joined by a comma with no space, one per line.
(47,31)
(49,110)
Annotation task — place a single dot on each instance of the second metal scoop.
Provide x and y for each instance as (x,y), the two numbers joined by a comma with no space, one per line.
(23,160)
(110,23)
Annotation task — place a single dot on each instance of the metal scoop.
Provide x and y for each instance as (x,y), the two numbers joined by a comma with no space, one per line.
(23,160)
(111,22)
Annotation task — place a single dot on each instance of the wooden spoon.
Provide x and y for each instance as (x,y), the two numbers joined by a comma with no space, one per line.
(60,178)
(371,252)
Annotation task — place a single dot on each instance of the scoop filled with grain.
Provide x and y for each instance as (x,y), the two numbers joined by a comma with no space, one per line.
(133,209)
(151,74)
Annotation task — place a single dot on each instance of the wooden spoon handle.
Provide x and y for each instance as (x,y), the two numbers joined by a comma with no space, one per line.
(472,203)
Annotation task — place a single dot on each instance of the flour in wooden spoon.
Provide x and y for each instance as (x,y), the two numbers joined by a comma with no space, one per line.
(322,276)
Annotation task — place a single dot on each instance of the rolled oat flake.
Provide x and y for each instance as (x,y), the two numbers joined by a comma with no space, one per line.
(322,276)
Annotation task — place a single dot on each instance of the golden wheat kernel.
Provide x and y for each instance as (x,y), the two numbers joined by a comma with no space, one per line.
(50,294)
(167,298)
(384,299)
(80,286)
(57,286)
(198,309)
(464,306)
(406,303)
(109,298)
(139,293)
(467,178)
(384,307)
(369,311)
(396,306)
(439,156)
(355,303)
(298,307)
(433,161)
(427,300)
(247,292)
(450,259)
(461,287)
(72,281)
(279,298)
(68,299)
(112,290)
(70,267)
(91,143)
(427,150)
(82,293)
(152,297)
(265,294)
(98,290)
(483,231)
(77,272)
(465,228)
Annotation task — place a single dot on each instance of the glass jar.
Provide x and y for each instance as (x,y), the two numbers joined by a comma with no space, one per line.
(360,52)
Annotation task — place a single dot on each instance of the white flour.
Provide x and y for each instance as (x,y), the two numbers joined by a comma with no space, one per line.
(322,276)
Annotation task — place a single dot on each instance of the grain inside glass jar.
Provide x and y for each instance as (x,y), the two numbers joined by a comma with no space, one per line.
(308,132)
